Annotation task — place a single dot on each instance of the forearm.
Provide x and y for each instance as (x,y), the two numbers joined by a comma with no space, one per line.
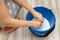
(7,20)
(25,4)
(16,23)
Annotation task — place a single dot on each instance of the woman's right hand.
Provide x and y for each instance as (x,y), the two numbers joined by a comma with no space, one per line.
(35,24)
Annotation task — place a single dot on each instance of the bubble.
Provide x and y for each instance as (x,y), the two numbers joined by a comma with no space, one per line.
(45,25)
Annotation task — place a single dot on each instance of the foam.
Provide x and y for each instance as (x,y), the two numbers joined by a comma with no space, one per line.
(45,25)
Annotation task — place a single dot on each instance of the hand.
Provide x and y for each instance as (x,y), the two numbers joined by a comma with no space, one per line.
(38,16)
(35,24)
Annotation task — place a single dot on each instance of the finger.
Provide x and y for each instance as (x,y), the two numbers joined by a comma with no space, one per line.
(36,27)
(41,20)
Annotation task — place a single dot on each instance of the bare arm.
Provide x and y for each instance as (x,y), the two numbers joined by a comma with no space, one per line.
(9,21)
(26,5)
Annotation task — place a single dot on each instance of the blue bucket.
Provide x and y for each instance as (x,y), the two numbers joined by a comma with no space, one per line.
(46,13)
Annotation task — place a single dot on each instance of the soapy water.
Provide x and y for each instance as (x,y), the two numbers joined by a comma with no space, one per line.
(44,26)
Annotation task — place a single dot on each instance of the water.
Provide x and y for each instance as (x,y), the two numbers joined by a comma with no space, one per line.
(45,25)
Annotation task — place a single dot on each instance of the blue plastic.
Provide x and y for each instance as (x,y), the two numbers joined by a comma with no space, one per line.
(46,13)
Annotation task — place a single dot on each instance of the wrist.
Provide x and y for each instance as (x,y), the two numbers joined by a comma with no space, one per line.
(32,11)
(29,23)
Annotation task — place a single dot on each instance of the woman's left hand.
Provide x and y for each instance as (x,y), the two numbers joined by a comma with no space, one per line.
(38,17)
